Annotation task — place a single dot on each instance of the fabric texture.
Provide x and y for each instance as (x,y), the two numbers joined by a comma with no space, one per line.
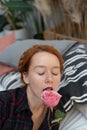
(85,45)
(75,119)
(10,56)
(6,41)
(15,113)
(73,86)
(1,88)
(5,68)
(11,80)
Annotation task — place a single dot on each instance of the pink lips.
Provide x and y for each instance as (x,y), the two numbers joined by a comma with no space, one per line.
(50,97)
(48,88)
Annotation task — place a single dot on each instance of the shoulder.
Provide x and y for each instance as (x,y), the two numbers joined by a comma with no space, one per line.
(9,96)
(10,100)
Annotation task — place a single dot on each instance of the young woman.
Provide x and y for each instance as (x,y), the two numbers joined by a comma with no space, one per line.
(22,108)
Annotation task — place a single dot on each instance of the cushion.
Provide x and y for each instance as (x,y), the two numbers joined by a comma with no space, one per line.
(1,88)
(12,53)
(10,80)
(85,45)
(6,41)
(75,119)
(5,68)
(73,86)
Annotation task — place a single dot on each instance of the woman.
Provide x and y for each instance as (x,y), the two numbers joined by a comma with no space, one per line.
(22,108)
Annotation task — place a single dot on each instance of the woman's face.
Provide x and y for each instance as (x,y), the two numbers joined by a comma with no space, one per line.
(43,73)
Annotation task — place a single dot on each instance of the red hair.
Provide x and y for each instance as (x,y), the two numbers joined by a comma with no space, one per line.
(26,57)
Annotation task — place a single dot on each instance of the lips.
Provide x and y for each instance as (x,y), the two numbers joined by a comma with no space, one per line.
(47,89)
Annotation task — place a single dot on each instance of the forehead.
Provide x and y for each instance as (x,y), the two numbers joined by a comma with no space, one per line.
(44,58)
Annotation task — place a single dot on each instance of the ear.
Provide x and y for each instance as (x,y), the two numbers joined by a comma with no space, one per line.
(25,77)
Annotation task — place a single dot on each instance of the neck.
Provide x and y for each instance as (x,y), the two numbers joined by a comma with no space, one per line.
(34,103)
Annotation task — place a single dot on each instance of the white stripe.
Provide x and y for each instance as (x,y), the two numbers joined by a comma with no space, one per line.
(74,79)
(78,98)
(74,58)
(73,99)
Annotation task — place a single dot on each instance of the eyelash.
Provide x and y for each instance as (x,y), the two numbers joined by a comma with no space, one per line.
(44,73)
(41,73)
(55,74)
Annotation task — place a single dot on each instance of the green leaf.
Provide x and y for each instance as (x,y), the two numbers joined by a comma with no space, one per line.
(21,6)
(59,116)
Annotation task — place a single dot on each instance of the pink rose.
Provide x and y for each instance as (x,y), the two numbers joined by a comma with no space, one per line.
(50,97)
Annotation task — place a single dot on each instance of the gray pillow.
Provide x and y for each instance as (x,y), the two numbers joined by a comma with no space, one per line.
(10,55)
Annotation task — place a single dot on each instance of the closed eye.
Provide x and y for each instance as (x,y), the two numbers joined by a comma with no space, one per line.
(55,74)
(41,73)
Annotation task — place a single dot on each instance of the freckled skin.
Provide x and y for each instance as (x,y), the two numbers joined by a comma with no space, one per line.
(44,71)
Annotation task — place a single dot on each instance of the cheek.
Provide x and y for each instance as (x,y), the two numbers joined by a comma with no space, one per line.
(36,85)
(35,80)
(32,80)
(57,80)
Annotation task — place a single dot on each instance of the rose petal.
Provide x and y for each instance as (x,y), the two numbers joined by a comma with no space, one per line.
(50,98)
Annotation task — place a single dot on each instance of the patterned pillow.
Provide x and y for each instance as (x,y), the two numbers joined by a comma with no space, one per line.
(73,86)
(11,80)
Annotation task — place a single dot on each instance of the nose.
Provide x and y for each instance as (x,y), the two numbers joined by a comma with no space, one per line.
(49,78)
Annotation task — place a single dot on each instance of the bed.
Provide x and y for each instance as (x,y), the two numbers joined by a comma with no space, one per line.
(73,86)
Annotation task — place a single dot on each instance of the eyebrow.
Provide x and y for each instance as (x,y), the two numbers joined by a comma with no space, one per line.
(42,66)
